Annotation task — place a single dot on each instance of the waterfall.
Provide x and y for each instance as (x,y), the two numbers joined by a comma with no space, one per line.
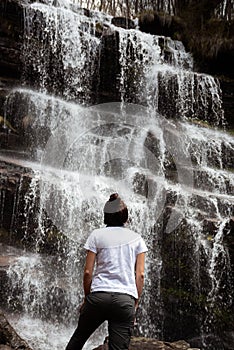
(150,144)
(61,49)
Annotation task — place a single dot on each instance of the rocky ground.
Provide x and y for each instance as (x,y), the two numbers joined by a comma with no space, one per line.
(141,343)
(10,340)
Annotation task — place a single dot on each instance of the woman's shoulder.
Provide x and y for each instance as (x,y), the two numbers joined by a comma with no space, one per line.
(132,231)
(132,234)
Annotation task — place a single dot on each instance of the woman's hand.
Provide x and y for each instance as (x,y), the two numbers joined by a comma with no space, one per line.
(81,306)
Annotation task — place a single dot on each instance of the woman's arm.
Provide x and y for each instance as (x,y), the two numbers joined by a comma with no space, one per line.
(140,269)
(88,271)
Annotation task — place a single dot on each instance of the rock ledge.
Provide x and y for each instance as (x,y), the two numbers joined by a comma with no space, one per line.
(141,343)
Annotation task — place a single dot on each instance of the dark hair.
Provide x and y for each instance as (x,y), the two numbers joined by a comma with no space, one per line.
(115,211)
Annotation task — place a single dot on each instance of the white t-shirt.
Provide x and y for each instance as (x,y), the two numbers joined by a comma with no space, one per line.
(116,249)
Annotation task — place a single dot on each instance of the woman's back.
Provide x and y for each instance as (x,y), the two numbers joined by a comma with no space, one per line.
(116,249)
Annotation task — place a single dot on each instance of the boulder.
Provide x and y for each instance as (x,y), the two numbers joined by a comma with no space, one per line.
(142,343)
(9,339)
(123,22)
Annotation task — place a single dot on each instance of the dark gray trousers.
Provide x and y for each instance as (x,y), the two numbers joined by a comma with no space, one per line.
(117,308)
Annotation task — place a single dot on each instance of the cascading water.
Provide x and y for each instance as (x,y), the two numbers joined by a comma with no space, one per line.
(172,174)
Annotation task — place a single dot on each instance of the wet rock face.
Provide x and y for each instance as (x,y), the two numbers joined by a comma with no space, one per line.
(12,182)
(11,33)
(104,82)
(220,64)
(227,86)
(16,199)
(107,79)
(44,66)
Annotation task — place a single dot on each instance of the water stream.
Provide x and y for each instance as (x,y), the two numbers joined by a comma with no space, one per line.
(174,174)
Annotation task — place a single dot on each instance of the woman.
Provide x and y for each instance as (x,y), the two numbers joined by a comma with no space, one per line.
(112,292)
